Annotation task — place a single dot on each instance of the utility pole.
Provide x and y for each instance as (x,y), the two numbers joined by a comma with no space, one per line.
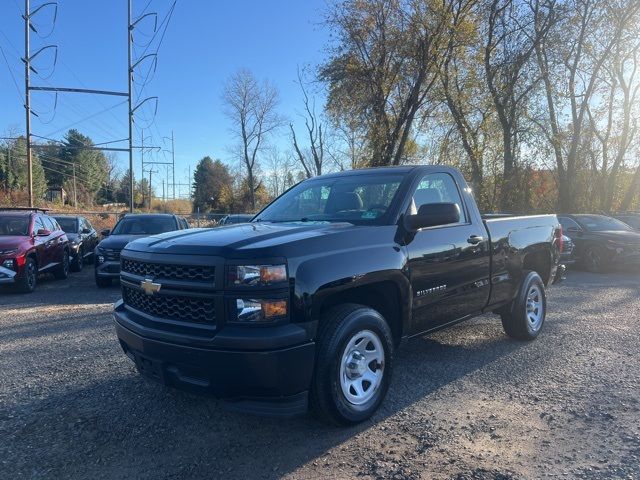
(27,105)
(173,161)
(75,190)
(129,82)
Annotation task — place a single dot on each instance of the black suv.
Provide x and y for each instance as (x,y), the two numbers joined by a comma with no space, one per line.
(129,227)
(83,239)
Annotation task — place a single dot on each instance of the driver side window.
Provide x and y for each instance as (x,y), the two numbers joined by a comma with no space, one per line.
(437,188)
(38,225)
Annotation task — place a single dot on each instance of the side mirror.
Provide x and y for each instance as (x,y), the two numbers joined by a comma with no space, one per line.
(43,232)
(433,215)
(85,230)
(105,232)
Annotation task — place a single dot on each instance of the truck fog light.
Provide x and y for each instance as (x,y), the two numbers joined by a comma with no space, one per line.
(101,259)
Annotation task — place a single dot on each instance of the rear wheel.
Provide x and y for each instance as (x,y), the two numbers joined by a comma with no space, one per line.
(353,364)
(62,271)
(526,315)
(27,283)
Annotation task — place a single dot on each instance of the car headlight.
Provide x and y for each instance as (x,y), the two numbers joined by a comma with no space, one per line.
(256,275)
(9,263)
(8,252)
(260,310)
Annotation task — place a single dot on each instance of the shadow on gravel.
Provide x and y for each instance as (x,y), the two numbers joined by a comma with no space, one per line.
(127,427)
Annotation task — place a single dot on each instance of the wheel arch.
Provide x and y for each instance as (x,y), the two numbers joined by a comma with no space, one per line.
(386,297)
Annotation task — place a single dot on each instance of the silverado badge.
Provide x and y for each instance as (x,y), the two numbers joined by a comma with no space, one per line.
(149,286)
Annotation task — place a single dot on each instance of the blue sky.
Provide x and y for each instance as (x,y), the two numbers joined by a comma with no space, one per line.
(205,43)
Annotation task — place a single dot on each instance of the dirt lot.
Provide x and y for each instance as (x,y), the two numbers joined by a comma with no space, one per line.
(467,403)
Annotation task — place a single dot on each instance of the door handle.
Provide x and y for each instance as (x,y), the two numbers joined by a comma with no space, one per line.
(475,239)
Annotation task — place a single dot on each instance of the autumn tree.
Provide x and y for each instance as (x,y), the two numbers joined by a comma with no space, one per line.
(383,67)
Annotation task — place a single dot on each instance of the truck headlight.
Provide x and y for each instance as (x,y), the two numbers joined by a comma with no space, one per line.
(256,275)
(260,310)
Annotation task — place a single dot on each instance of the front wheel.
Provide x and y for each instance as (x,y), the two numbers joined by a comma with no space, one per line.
(525,317)
(27,282)
(594,260)
(78,261)
(62,271)
(354,362)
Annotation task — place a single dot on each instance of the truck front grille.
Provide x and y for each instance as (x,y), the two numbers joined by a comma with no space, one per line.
(198,273)
(171,307)
(111,255)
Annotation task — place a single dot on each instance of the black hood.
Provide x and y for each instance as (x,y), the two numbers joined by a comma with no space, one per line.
(241,239)
(117,242)
(620,236)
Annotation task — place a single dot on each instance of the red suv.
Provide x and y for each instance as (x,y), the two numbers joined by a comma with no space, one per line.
(31,242)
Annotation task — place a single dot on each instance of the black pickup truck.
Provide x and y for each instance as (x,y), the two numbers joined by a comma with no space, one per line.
(306,304)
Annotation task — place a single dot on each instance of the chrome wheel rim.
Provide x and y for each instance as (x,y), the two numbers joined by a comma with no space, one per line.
(594,259)
(362,367)
(535,307)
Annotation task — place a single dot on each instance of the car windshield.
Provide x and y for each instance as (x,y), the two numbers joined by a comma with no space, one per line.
(12,225)
(600,223)
(358,199)
(144,225)
(68,224)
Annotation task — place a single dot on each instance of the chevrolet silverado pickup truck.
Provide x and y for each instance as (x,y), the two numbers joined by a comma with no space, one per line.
(306,304)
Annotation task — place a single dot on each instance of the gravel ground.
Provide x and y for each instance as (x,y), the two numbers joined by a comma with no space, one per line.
(467,403)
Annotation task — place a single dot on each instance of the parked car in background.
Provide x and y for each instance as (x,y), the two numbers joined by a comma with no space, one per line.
(236,218)
(129,227)
(568,247)
(31,242)
(630,218)
(308,302)
(601,242)
(83,239)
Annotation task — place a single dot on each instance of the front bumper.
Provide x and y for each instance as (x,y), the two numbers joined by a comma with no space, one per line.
(6,275)
(268,380)
(108,269)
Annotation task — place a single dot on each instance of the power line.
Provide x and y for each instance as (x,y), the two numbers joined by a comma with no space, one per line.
(15,82)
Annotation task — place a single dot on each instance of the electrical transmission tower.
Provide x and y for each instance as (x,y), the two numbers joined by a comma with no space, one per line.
(131,66)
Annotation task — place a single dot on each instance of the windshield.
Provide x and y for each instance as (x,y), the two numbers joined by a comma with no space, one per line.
(12,225)
(600,223)
(359,199)
(68,224)
(144,225)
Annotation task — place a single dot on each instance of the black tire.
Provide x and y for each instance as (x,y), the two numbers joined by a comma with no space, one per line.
(62,271)
(340,327)
(594,259)
(531,303)
(102,282)
(27,282)
(78,261)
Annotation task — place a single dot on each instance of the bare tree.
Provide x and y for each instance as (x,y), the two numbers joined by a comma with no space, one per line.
(251,106)
(571,63)
(316,129)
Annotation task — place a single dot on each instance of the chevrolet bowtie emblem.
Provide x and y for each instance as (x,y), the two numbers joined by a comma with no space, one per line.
(149,286)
